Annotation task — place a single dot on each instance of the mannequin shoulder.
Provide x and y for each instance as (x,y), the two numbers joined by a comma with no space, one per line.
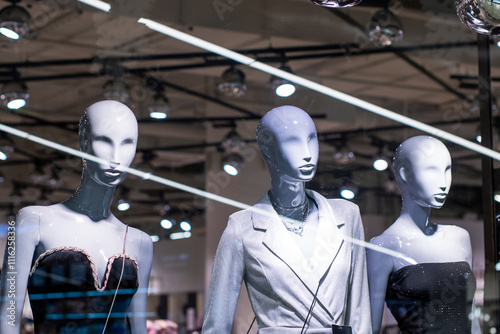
(387,240)
(455,233)
(140,241)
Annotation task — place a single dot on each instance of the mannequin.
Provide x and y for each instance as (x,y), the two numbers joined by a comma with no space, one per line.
(72,256)
(289,248)
(429,289)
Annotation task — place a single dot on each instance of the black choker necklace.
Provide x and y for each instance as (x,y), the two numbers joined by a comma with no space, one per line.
(293,225)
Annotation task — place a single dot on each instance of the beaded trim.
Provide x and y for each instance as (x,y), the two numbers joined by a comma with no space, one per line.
(89,257)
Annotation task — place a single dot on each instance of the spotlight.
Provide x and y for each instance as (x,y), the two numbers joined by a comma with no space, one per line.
(349,191)
(123,204)
(336,3)
(233,83)
(159,108)
(14,94)
(380,164)
(233,142)
(233,163)
(482,16)
(385,28)
(14,22)
(116,89)
(180,235)
(6,148)
(167,223)
(283,87)
(496,197)
(185,226)
(155,238)
(344,156)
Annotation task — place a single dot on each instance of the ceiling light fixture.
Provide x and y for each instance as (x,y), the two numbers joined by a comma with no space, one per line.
(233,142)
(283,87)
(6,147)
(14,22)
(240,58)
(14,95)
(482,16)
(116,89)
(155,238)
(101,5)
(167,223)
(344,156)
(349,191)
(233,164)
(180,235)
(123,201)
(233,83)
(385,28)
(160,107)
(381,164)
(185,226)
(336,3)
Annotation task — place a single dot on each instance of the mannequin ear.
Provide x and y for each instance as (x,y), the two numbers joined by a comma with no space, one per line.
(402,174)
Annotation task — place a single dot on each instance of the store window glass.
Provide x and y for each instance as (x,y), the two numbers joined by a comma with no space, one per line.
(249,166)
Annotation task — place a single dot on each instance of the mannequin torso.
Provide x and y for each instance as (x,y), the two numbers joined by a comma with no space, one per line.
(84,228)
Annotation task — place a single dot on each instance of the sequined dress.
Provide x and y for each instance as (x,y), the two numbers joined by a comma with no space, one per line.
(432,297)
(66,295)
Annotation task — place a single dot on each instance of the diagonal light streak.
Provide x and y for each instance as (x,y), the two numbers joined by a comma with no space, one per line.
(173,184)
(104,6)
(153,25)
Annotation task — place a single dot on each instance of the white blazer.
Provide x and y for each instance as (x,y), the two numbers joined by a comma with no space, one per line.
(257,248)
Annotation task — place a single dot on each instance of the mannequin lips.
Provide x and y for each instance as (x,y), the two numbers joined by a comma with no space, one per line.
(112,173)
(441,197)
(307,169)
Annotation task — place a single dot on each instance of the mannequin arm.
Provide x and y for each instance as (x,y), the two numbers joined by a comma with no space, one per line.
(225,283)
(379,268)
(139,301)
(22,237)
(359,302)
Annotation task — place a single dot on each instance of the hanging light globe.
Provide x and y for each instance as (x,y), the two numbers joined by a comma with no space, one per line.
(233,83)
(385,28)
(482,16)
(14,22)
(336,3)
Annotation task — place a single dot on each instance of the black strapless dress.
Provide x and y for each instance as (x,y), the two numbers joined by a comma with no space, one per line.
(432,297)
(67,297)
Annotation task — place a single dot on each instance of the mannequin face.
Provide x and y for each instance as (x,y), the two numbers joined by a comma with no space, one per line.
(293,150)
(428,175)
(112,136)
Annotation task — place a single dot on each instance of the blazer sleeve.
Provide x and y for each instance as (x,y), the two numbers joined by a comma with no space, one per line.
(358,307)
(225,283)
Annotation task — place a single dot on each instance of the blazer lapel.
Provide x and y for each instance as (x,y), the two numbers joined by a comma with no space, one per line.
(329,238)
(279,241)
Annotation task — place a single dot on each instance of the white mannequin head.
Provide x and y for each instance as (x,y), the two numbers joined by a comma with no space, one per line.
(288,143)
(108,130)
(422,166)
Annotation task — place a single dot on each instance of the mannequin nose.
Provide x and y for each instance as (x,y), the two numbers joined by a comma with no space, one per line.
(442,188)
(308,159)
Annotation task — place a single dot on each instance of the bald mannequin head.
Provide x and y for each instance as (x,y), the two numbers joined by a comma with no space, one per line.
(288,143)
(108,130)
(422,166)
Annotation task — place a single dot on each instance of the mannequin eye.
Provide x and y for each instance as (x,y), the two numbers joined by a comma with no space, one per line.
(129,141)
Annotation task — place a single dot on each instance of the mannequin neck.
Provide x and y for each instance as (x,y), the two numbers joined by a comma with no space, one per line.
(286,193)
(92,199)
(417,214)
